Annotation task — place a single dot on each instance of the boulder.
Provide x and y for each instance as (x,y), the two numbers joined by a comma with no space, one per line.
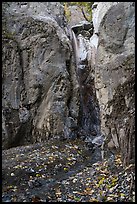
(84,25)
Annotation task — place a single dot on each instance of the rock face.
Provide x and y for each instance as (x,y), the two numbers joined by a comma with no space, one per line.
(115,76)
(40,90)
(45,96)
(76,15)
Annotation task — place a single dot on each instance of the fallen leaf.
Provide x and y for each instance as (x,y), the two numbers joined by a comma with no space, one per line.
(80,193)
(93,200)
(58,192)
(101,182)
(51,158)
(38,175)
(35,199)
(77,199)
(88,189)
(122,194)
(65,169)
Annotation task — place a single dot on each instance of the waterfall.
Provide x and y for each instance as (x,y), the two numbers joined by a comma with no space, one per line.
(79,50)
(75,47)
(89,112)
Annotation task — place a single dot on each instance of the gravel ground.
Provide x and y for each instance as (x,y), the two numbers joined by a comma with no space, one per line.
(64,172)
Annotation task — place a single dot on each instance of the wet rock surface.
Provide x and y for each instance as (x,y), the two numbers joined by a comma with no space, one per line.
(89,118)
(63,172)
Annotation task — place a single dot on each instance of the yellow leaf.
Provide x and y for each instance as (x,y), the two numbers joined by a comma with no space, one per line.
(77,199)
(88,178)
(37,175)
(65,169)
(114,180)
(69,159)
(50,157)
(88,189)
(118,161)
(97,168)
(112,195)
(40,167)
(122,194)
(87,184)
(93,200)
(101,181)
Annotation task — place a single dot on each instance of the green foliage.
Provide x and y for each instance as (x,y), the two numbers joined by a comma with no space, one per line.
(67,11)
(86,8)
(5,32)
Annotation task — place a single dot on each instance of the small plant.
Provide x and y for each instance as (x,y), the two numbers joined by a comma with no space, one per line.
(85,7)
(67,11)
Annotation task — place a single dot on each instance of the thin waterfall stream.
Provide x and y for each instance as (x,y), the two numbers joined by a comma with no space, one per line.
(89,111)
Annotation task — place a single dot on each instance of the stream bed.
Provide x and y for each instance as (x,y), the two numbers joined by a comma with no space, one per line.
(63,171)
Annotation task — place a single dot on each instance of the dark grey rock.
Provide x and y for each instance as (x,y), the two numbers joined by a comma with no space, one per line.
(84,25)
(39,80)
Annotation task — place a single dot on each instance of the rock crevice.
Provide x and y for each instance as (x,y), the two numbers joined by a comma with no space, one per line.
(62,84)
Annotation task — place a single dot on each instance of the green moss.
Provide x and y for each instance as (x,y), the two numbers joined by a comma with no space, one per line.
(85,7)
(6,33)
(9,35)
(67,12)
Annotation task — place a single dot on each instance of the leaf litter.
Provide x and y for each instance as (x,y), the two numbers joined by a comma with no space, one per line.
(64,172)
